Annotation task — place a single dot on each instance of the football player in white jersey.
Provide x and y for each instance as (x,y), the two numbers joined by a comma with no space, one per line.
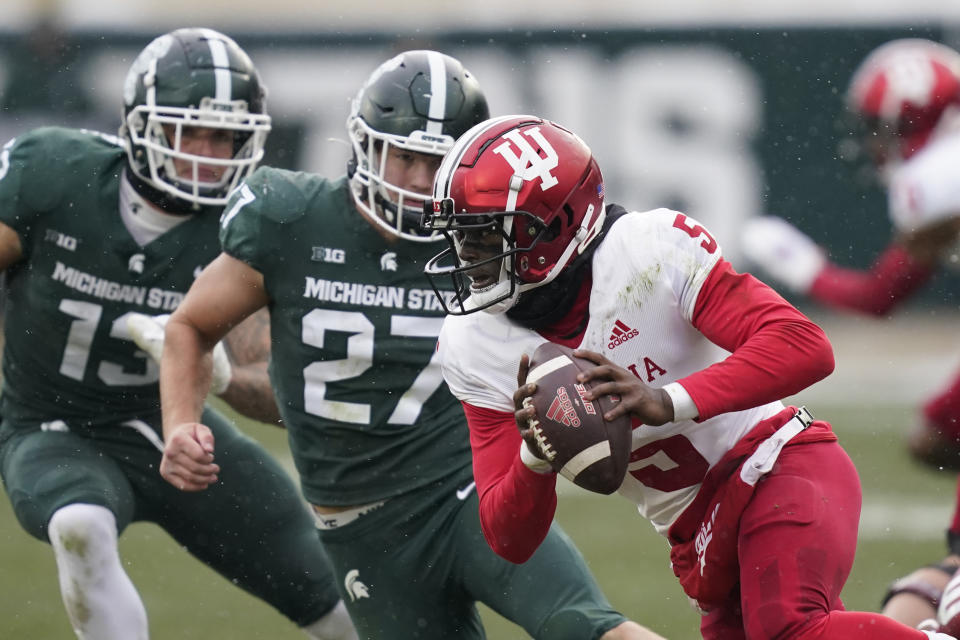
(907,93)
(758,501)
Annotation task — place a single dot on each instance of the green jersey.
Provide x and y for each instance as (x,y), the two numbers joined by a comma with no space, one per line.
(67,354)
(354,325)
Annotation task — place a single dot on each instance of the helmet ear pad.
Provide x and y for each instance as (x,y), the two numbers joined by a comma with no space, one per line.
(563,219)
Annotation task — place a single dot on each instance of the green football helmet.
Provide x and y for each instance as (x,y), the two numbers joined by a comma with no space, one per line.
(192,78)
(418,101)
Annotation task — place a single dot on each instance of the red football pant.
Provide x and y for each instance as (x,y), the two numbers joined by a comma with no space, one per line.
(797,541)
(942,412)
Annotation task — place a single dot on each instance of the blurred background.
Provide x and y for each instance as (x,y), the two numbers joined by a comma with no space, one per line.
(723,109)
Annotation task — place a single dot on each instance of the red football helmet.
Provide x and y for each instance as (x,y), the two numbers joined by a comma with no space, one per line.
(528,191)
(902,91)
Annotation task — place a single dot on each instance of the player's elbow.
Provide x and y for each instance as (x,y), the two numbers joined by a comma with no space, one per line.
(822,356)
(515,553)
(177,331)
(827,363)
(517,548)
(814,361)
(182,332)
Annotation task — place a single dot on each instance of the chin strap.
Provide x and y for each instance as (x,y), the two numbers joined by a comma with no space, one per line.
(163,200)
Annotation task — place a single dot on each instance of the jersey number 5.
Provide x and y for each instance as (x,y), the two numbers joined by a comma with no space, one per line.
(695,231)
(668,465)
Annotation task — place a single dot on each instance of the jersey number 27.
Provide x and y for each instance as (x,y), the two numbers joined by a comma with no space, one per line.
(359,358)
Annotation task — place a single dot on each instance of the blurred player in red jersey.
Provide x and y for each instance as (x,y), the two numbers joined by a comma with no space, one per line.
(907,93)
(759,502)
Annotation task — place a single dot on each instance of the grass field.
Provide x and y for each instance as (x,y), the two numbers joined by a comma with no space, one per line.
(906,511)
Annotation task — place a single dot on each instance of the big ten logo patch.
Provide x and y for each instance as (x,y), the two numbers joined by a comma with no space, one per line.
(62,240)
(328,254)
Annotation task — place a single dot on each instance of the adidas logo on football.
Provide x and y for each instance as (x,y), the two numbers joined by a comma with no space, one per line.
(587,404)
(561,409)
(620,334)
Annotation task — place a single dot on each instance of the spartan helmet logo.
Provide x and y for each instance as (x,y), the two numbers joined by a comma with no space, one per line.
(354,587)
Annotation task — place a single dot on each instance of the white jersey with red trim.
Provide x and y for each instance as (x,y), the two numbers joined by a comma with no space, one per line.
(647,274)
(925,189)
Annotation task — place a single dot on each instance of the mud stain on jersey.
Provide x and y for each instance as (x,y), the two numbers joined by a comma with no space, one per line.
(635,293)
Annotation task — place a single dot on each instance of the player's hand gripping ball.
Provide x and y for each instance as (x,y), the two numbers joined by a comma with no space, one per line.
(570,431)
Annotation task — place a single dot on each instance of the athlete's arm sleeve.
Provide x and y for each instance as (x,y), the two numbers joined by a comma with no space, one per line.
(776,351)
(893,277)
(516,504)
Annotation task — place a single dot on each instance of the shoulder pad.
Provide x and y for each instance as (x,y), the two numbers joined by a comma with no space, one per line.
(282,195)
(66,142)
(49,160)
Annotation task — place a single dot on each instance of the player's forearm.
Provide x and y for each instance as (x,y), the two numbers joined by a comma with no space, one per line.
(516,512)
(516,504)
(11,249)
(779,362)
(893,277)
(249,391)
(185,373)
(251,395)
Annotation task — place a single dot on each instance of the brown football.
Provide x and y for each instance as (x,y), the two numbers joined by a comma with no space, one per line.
(571,432)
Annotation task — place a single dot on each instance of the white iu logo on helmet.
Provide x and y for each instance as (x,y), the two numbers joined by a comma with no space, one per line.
(912,79)
(528,164)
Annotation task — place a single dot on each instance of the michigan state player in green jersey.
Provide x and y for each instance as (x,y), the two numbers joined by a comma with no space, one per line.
(96,231)
(381,445)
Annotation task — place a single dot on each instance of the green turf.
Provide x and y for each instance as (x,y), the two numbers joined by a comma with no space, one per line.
(187,601)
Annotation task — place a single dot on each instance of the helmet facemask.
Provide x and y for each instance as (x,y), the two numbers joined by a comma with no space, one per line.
(502,246)
(386,204)
(148,126)
(489,239)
